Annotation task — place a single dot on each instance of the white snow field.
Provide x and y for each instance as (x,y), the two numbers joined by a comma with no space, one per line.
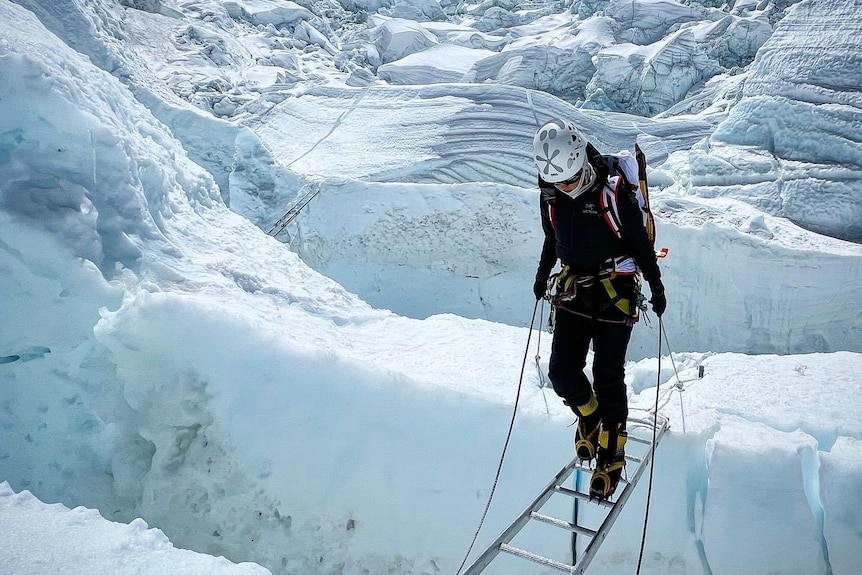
(188,386)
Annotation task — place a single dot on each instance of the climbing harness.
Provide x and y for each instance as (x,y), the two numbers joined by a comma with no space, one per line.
(625,305)
(566,285)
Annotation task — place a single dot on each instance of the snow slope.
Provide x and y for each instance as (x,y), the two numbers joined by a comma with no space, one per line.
(163,358)
(41,538)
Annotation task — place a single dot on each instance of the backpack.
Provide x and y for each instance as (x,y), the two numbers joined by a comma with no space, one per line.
(632,174)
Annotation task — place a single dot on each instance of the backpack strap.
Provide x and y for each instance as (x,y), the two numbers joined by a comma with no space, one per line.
(548,196)
(609,209)
(649,219)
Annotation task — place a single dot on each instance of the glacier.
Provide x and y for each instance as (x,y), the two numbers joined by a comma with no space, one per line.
(333,400)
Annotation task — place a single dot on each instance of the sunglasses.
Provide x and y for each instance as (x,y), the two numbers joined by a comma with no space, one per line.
(573,180)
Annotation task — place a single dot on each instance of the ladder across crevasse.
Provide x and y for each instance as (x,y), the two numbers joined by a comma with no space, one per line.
(639,452)
(310,192)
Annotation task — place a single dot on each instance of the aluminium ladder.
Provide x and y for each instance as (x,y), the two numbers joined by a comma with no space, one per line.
(639,451)
(309,192)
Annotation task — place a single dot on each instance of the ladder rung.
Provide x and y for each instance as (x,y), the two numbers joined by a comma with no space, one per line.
(506,548)
(584,496)
(644,422)
(562,524)
(581,562)
(639,439)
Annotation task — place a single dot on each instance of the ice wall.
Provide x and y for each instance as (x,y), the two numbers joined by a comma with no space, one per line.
(736,280)
(792,146)
(155,368)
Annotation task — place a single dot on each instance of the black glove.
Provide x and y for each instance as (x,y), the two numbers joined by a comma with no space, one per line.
(540,287)
(658,301)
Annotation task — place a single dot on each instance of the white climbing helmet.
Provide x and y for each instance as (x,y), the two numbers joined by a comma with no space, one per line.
(559,150)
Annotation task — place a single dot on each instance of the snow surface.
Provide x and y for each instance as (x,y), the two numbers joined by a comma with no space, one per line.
(334,399)
(40,538)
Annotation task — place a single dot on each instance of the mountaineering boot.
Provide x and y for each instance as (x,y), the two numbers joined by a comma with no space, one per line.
(587,432)
(610,462)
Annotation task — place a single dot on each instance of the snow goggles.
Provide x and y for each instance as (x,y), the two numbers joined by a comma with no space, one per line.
(573,180)
(579,183)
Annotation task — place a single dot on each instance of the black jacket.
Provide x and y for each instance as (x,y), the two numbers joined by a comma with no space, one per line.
(581,238)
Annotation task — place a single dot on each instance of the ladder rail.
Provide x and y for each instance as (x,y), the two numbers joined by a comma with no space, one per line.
(311,192)
(604,528)
(597,537)
(509,533)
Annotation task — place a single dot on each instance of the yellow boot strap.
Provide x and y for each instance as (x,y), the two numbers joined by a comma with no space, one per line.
(588,408)
(604,439)
(603,472)
(603,475)
(589,448)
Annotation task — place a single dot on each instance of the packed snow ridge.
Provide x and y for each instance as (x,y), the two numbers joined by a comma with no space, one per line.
(184,348)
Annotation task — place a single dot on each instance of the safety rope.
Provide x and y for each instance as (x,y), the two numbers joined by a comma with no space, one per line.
(679,384)
(543,381)
(652,448)
(505,445)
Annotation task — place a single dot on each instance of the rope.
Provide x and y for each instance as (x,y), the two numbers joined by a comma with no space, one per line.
(652,456)
(542,379)
(679,387)
(679,384)
(505,445)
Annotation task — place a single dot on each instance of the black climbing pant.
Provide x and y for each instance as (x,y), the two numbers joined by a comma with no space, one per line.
(572,335)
